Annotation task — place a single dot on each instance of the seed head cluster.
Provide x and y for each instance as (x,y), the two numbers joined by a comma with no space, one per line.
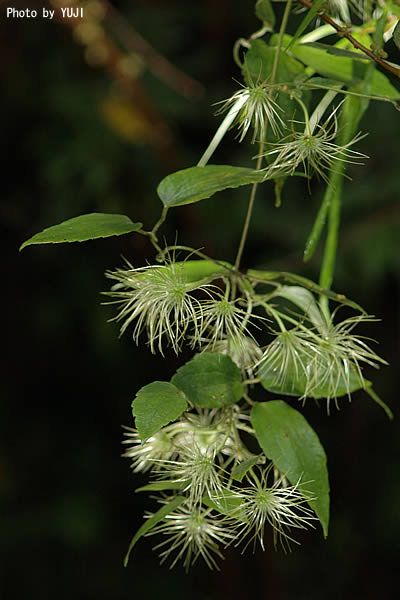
(222,492)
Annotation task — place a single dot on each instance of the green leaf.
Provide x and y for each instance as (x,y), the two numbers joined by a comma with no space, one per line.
(152,522)
(338,51)
(371,392)
(265,13)
(225,502)
(304,300)
(267,276)
(197,183)
(210,380)
(341,68)
(381,86)
(196,271)
(156,405)
(83,228)
(160,486)
(306,21)
(396,34)
(295,379)
(293,446)
(240,470)
(325,83)
(259,62)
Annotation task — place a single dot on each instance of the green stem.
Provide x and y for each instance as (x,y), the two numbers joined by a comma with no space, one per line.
(276,314)
(316,86)
(274,73)
(280,41)
(198,253)
(375,397)
(152,235)
(342,31)
(317,228)
(249,210)
(160,221)
(353,109)
(332,202)
(152,238)
(307,130)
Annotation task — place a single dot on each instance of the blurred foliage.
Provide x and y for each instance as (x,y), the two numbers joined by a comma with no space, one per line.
(76,139)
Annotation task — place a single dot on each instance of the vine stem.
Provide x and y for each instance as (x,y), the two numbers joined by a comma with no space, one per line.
(249,210)
(152,235)
(343,32)
(332,205)
(274,72)
(352,113)
(280,41)
(160,221)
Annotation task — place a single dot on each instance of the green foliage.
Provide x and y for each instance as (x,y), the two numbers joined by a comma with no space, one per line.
(258,66)
(309,16)
(244,467)
(84,228)
(152,522)
(197,183)
(200,271)
(265,13)
(291,443)
(224,502)
(210,381)
(156,405)
(259,61)
(272,328)
(296,380)
(305,301)
(260,275)
(338,66)
(160,486)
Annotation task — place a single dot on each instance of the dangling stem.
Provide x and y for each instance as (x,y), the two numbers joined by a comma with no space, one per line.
(307,129)
(249,209)
(160,221)
(153,233)
(274,73)
(280,41)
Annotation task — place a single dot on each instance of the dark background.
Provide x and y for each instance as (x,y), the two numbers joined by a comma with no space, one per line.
(81,133)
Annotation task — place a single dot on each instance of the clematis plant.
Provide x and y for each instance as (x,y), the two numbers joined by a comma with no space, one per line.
(229,469)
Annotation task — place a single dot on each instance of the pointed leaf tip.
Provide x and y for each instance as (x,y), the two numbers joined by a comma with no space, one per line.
(84,228)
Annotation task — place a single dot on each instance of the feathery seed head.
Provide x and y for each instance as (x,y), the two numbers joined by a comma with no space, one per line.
(192,532)
(307,363)
(158,446)
(314,150)
(242,349)
(158,299)
(281,507)
(255,108)
(196,469)
(221,321)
